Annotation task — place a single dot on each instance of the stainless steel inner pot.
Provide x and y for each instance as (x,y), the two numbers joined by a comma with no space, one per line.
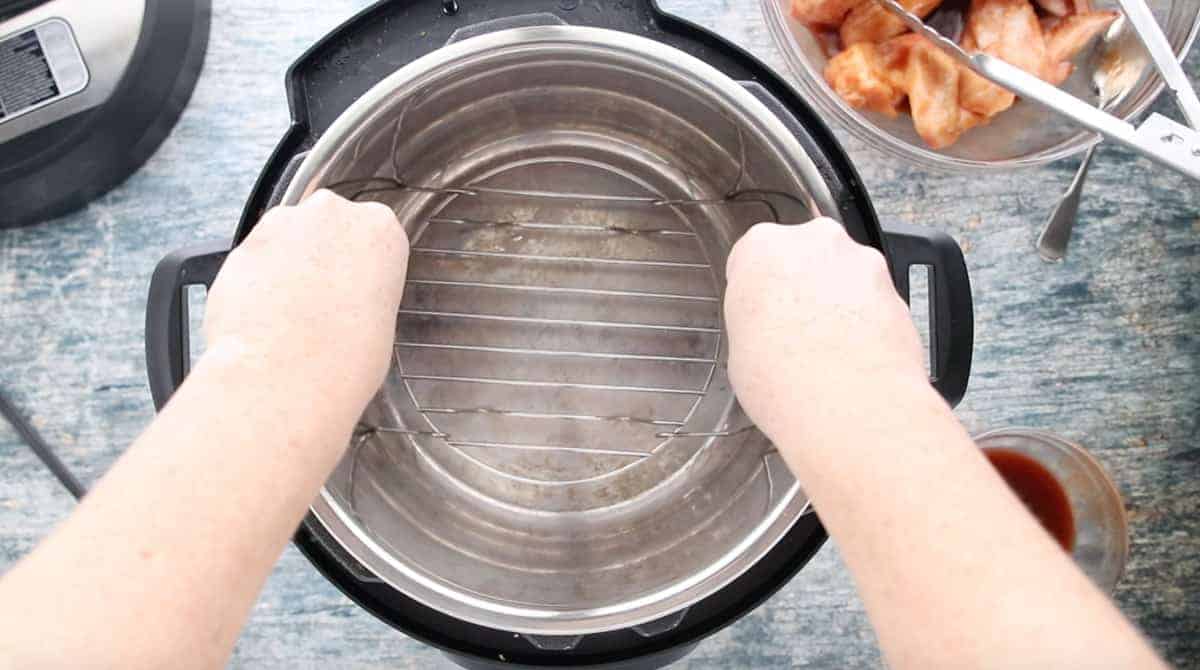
(557,450)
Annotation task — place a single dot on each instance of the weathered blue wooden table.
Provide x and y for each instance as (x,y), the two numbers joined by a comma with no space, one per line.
(1104,349)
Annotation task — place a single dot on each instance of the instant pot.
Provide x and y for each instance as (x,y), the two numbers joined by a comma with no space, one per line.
(88,91)
(556,471)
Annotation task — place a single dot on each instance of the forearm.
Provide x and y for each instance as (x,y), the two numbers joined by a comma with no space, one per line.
(953,571)
(163,559)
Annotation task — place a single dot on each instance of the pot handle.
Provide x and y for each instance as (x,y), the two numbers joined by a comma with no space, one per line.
(167,349)
(951,313)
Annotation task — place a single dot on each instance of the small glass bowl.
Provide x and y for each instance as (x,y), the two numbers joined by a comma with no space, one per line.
(1101,525)
(1024,135)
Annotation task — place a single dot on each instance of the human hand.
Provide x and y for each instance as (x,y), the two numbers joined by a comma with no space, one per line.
(310,297)
(813,319)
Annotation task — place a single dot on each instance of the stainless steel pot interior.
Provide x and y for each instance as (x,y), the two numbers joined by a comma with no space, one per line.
(557,450)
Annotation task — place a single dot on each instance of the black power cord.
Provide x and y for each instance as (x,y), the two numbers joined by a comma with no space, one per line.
(39,447)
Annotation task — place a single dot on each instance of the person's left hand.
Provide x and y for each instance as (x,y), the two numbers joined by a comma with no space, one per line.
(311,296)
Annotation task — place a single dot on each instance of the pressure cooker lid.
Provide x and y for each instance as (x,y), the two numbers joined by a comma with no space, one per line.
(557,450)
(88,92)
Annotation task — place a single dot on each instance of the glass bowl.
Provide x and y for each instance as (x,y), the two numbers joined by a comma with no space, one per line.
(1024,135)
(1101,546)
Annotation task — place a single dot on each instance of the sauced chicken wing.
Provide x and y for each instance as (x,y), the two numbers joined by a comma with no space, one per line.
(879,77)
(931,79)
(979,95)
(870,22)
(1009,30)
(1066,36)
(823,13)
(862,80)
(1072,33)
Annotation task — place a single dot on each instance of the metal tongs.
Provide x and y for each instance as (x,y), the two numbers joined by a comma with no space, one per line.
(1172,144)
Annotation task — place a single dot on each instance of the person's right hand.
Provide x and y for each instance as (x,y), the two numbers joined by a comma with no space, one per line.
(813,318)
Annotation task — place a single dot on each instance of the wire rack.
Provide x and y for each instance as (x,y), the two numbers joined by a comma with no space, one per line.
(618,287)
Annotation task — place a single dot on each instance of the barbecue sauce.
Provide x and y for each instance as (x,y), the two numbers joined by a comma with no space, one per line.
(1039,491)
